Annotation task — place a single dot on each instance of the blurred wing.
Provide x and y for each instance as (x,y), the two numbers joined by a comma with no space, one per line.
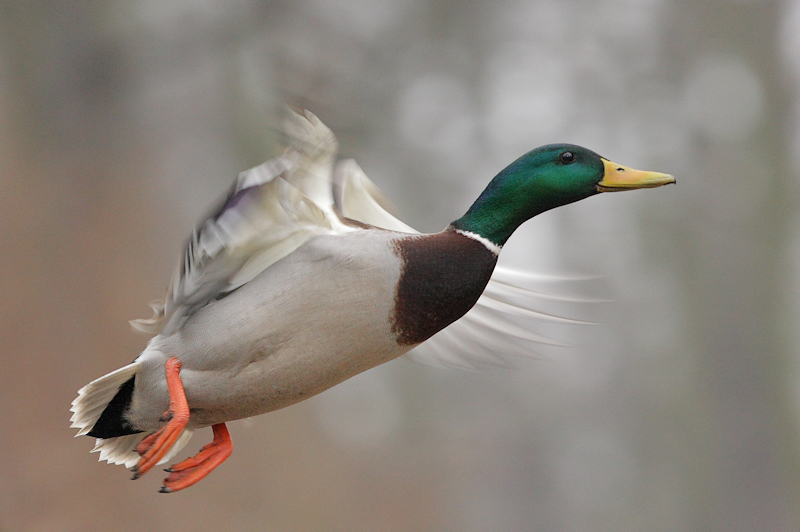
(357,198)
(510,319)
(271,210)
(518,315)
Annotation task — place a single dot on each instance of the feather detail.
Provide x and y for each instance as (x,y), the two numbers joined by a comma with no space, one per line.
(93,398)
(359,199)
(271,210)
(315,147)
(153,324)
(122,449)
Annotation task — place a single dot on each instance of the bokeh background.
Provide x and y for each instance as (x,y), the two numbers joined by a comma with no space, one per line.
(121,122)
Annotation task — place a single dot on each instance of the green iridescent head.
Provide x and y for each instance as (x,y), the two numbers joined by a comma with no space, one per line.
(545,178)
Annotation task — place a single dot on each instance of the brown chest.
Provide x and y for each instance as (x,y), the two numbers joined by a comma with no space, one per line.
(441,278)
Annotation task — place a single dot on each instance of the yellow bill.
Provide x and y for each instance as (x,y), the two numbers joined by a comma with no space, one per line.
(618,177)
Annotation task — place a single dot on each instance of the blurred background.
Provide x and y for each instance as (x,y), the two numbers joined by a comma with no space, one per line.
(122,122)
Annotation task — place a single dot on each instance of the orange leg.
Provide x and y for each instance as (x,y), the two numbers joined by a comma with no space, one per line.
(196,468)
(154,447)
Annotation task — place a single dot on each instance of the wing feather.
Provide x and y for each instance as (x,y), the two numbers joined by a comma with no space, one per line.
(271,210)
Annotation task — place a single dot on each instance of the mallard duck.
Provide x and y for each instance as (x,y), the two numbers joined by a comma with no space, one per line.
(302,279)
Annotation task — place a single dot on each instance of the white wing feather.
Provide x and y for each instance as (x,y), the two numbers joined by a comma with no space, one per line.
(359,199)
(271,210)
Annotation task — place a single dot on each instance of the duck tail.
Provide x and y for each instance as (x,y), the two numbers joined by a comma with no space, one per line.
(99,411)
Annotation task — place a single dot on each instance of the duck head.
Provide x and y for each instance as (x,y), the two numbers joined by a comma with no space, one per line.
(545,178)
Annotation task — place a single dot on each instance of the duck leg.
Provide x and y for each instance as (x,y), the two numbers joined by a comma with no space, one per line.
(153,448)
(194,469)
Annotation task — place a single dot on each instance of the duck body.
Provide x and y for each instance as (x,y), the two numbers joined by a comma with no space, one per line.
(301,279)
(365,297)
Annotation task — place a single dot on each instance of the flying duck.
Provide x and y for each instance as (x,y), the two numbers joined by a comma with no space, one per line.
(301,279)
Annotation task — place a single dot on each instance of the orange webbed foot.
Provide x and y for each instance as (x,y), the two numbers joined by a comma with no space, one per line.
(153,448)
(194,469)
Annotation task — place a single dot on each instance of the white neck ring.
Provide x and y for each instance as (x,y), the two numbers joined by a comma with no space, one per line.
(491,246)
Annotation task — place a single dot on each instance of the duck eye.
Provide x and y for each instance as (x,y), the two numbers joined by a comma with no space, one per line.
(566,157)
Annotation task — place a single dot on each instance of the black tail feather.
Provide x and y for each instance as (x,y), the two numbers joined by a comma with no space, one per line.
(112,422)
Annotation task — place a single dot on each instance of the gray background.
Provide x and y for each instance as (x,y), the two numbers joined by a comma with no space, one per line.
(121,122)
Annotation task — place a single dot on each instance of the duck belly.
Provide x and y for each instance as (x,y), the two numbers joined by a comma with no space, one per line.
(308,322)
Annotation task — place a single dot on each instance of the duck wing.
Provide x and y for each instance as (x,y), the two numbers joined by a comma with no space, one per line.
(270,211)
(512,316)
